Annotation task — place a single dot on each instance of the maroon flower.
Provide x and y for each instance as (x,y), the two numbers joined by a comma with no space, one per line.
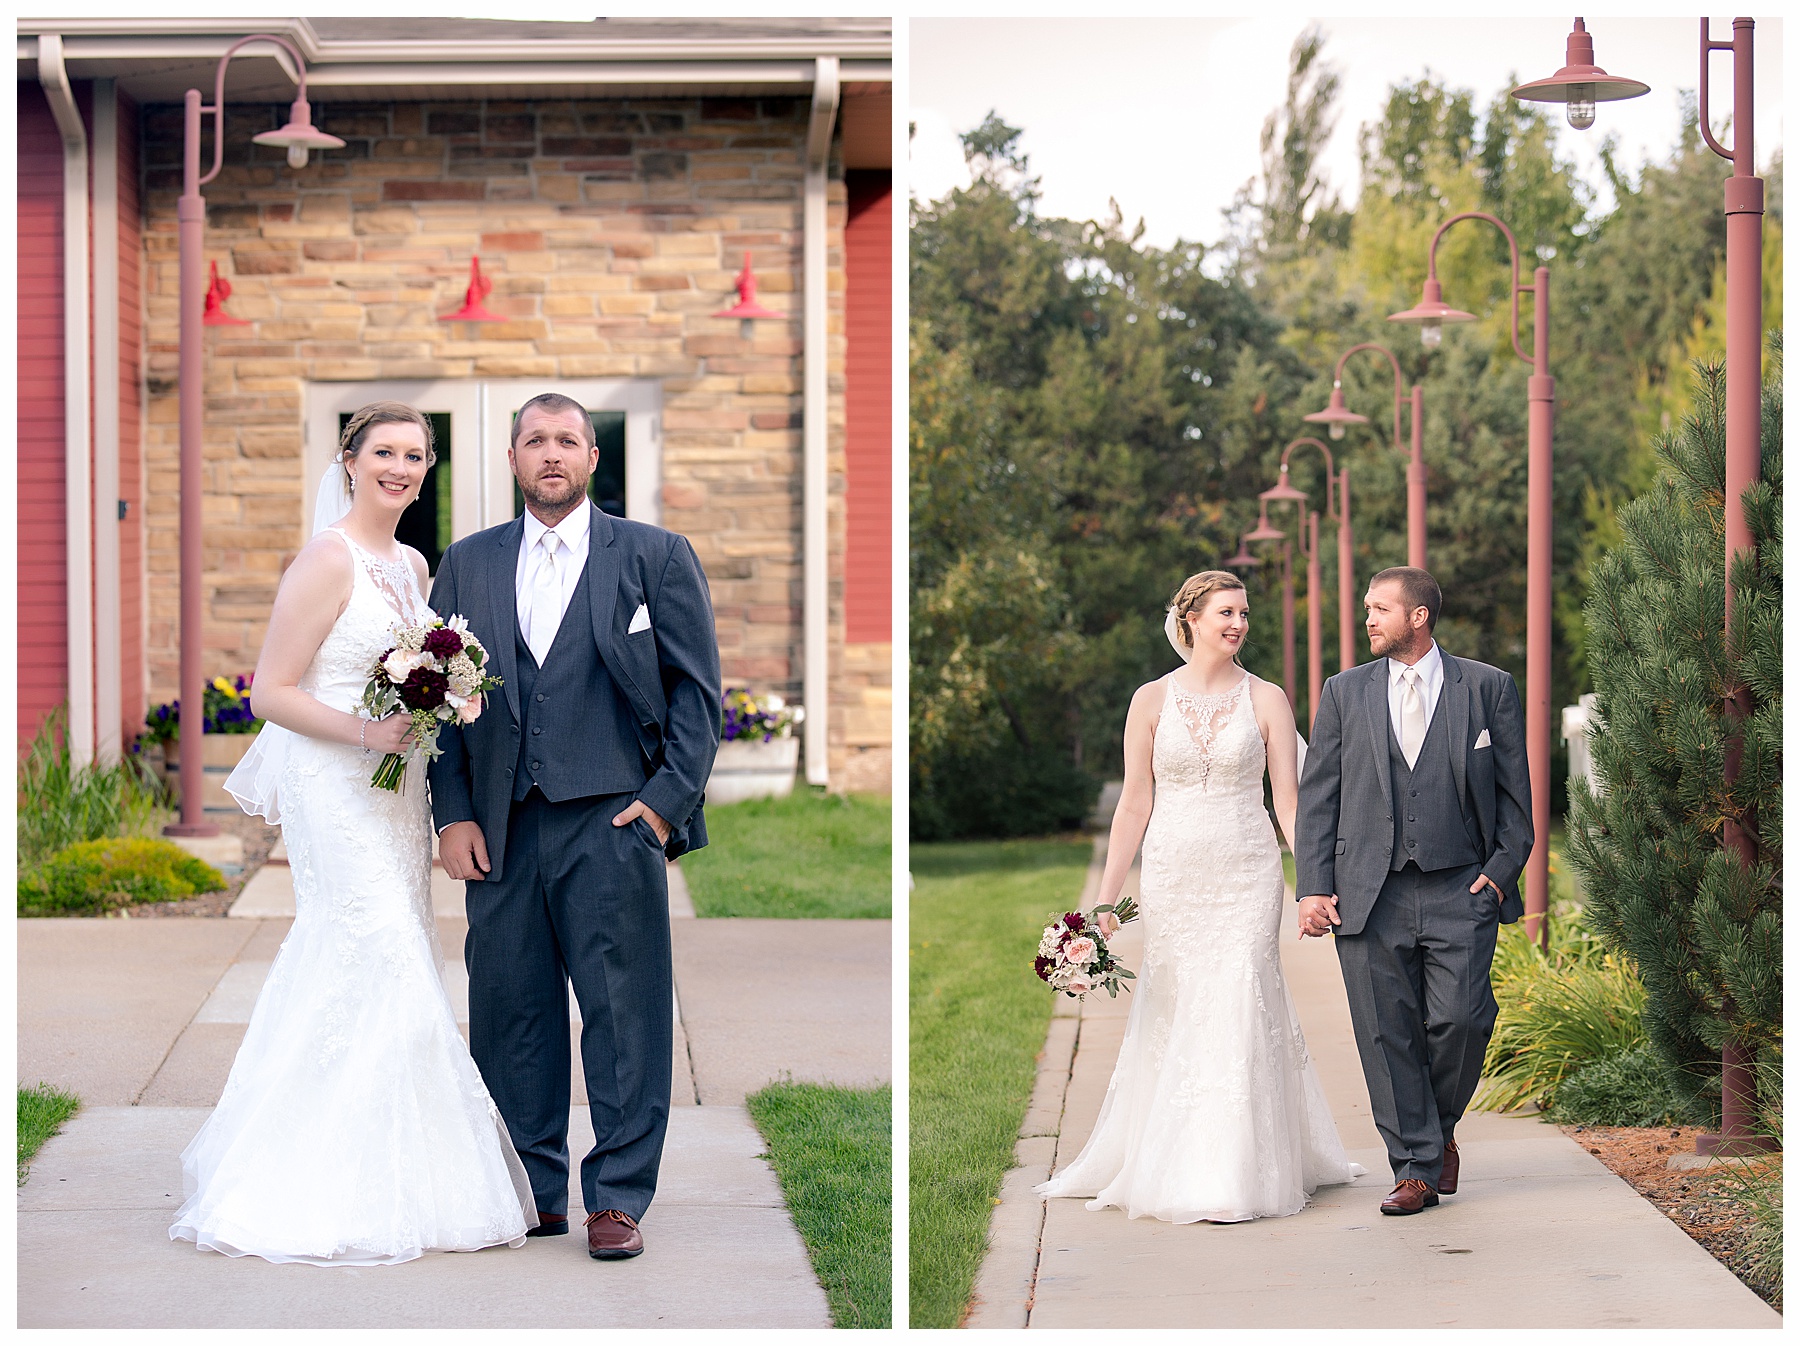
(423,689)
(1075,921)
(1043,966)
(443,643)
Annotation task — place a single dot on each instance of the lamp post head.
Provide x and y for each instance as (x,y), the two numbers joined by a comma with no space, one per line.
(1336,416)
(1580,83)
(299,135)
(1281,490)
(1243,559)
(1431,313)
(1263,532)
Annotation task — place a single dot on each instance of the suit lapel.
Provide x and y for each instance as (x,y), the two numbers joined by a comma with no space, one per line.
(603,589)
(1454,702)
(1375,702)
(503,594)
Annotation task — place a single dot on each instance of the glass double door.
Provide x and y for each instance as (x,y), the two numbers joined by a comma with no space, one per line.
(471,486)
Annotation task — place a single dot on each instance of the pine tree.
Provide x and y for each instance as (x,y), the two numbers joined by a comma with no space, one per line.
(1662,884)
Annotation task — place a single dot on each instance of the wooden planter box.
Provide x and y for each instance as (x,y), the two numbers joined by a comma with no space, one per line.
(219,755)
(752,769)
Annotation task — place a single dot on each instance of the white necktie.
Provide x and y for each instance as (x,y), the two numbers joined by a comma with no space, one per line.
(1412,717)
(546,599)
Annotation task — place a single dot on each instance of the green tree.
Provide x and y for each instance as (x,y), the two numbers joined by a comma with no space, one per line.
(1663,884)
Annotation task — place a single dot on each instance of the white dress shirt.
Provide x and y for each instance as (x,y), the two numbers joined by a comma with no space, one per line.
(572,533)
(1431,682)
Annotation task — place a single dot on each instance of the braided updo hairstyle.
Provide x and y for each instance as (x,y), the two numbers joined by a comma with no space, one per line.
(1193,594)
(357,428)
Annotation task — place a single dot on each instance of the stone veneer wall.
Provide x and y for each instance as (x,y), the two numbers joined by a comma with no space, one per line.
(610,229)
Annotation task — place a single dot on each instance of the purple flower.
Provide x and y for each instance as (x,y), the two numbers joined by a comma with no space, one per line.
(443,643)
(423,689)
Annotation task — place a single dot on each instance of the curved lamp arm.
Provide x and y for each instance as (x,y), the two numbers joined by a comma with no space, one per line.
(1511,243)
(1707,48)
(218,107)
(1337,379)
(1330,469)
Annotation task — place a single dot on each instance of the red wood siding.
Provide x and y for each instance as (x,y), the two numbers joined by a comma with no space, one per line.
(133,674)
(868,399)
(42,657)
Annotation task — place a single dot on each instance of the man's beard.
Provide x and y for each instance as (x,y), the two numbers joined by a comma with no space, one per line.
(1406,647)
(574,489)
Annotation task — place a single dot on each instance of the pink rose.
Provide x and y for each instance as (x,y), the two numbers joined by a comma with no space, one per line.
(1107,924)
(1080,950)
(1078,985)
(469,710)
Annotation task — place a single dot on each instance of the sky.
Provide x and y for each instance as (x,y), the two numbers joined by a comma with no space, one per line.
(1165,115)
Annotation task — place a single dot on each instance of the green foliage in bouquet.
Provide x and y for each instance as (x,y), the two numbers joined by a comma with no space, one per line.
(108,874)
(1704,929)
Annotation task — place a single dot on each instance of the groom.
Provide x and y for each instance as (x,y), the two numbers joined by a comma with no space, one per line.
(561,802)
(1414,824)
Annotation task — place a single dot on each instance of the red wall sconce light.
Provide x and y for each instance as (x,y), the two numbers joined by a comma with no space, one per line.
(747,309)
(480,287)
(217,292)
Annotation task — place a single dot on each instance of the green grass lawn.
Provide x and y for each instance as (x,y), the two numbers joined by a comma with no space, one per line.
(811,854)
(979,1017)
(832,1148)
(42,1111)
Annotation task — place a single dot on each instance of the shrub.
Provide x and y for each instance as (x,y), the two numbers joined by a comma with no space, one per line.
(1631,1088)
(113,872)
(1577,1004)
(61,803)
(1004,792)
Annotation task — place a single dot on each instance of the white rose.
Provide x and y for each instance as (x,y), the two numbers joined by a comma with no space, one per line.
(400,663)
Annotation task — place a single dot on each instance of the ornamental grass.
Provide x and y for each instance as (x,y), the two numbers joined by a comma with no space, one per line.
(93,878)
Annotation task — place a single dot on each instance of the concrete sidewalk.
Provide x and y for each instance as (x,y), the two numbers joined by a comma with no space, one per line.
(142,1019)
(1541,1234)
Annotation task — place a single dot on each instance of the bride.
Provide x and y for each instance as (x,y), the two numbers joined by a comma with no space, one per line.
(1214,1111)
(355,1129)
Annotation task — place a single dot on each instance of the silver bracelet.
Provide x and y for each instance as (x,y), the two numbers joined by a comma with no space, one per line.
(362,737)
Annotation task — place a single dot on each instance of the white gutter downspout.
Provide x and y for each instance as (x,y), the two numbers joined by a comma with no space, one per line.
(108,613)
(78,497)
(815,422)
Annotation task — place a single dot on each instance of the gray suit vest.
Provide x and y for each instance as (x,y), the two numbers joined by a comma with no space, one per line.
(1429,826)
(577,735)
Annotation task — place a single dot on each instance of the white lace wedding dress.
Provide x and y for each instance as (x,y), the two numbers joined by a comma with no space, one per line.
(1214,1111)
(355,1129)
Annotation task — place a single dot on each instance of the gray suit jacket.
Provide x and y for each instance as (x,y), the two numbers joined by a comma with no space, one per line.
(1345,822)
(668,672)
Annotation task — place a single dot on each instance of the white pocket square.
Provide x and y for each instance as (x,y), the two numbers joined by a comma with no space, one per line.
(1484,741)
(640,620)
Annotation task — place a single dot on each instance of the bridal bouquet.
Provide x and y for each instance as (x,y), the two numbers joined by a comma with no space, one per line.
(1073,957)
(435,673)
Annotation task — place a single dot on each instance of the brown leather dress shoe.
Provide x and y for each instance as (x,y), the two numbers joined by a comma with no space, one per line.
(613,1234)
(548,1224)
(1452,1166)
(1409,1197)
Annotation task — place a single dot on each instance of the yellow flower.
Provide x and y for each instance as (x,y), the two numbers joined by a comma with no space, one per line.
(225,687)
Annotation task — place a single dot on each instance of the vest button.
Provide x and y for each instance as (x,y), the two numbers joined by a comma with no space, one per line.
(540,696)
(536,730)
(537,766)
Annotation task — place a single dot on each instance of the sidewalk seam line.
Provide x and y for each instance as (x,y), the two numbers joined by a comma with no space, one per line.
(138,1098)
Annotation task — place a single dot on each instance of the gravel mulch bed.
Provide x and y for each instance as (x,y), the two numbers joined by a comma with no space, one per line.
(1701,1201)
(259,839)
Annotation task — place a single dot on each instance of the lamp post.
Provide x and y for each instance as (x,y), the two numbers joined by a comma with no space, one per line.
(298,137)
(1338,416)
(1337,482)
(1265,532)
(1743,424)
(1430,313)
